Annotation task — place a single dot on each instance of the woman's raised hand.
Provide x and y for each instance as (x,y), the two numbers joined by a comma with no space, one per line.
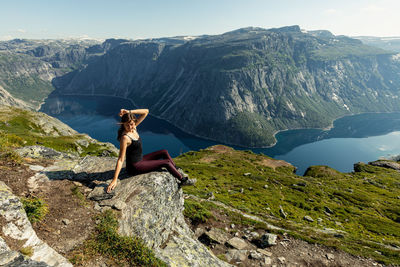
(122,112)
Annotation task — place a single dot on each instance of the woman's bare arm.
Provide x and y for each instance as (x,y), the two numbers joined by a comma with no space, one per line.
(120,162)
(142,112)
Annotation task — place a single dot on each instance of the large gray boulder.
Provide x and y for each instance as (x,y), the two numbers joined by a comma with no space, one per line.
(153,211)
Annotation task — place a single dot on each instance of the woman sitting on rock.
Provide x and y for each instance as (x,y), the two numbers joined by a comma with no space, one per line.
(131,146)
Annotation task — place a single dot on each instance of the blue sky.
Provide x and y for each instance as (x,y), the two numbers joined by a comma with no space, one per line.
(159,18)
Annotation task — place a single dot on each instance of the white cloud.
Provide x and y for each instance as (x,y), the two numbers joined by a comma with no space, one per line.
(21,31)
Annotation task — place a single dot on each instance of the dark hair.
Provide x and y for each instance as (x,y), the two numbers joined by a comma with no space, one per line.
(127,117)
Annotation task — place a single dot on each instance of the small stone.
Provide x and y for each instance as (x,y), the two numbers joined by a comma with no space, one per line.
(236,255)
(308,218)
(66,221)
(338,223)
(256,255)
(267,261)
(319,220)
(217,235)
(264,252)
(265,186)
(330,256)
(211,196)
(281,260)
(254,235)
(266,240)
(237,243)
(241,190)
(233,226)
(97,206)
(251,188)
(247,174)
(36,168)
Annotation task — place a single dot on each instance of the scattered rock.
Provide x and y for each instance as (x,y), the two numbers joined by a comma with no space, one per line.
(233,226)
(256,255)
(281,260)
(264,252)
(37,168)
(66,221)
(251,188)
(265,186)
(267,261)
(236,255)
(237,243)
(319,220)
(308,218)
(266,240)
(330,256)
(247,174)
(217,235)
(97,206)
(241,190)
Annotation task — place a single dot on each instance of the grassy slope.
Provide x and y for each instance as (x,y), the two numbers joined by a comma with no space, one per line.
(365,204)
(18,129)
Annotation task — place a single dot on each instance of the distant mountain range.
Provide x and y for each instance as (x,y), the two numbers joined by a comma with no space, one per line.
(239,87)
(388,43)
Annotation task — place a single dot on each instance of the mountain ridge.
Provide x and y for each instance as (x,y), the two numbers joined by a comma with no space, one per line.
(243,86)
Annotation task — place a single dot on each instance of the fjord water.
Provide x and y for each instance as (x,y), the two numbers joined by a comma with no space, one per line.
(363,137)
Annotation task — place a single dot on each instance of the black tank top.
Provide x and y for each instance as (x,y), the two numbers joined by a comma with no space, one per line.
(133,153)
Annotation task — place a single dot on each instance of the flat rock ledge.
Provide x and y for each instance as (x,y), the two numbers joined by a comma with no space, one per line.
(151,207)
(17,227)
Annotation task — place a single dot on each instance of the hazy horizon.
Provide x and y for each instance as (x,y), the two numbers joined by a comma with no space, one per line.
(102,19)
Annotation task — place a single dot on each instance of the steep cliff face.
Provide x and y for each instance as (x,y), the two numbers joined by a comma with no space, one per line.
(242,86)
(27,67)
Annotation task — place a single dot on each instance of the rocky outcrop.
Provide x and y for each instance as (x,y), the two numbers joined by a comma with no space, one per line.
(17,229)
(386,164)
(150,205)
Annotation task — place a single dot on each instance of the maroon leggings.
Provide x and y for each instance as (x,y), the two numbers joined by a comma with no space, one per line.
(156,160)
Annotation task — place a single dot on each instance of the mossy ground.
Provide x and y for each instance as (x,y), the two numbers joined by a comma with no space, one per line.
(364,204)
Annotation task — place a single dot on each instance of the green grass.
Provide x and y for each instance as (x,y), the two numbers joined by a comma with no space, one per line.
(35,208)
(364,203)
(197,212)
(123,250)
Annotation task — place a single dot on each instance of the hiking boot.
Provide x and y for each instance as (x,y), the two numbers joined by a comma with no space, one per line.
(182,173)
(187,181)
